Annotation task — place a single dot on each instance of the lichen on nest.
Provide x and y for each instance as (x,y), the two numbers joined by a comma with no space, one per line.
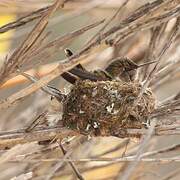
(102,108)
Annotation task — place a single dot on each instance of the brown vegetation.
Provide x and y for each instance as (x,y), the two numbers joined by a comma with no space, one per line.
(40,135)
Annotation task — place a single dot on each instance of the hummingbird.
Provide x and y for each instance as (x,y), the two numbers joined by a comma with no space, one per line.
(124,69)
(121,68)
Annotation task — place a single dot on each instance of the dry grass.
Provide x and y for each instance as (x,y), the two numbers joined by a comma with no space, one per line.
(36,144)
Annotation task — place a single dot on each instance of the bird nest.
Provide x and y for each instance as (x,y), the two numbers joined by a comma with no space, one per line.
(104,108)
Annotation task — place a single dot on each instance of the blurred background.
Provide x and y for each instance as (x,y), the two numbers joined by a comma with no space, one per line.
(73,16)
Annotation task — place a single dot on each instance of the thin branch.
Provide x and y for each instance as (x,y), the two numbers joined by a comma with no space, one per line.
(47,89)
(24,20)
(113,160)
(27,19)
(77,173)
(63,67)
(151,49)
(174,147)
(108,22)
(163,51)
(130,169)
(165,73)
(116,148)
(57,166)
(171,175)
(47,50)
(167,108)
(18,56)
(151,74)
(11,138)
(147,16)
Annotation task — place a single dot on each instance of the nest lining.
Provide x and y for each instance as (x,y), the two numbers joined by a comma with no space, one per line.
(102,108)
